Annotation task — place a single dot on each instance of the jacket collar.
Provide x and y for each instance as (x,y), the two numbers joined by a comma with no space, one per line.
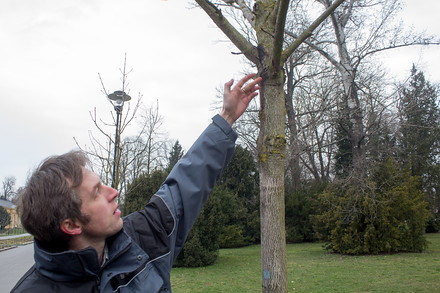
(72,265)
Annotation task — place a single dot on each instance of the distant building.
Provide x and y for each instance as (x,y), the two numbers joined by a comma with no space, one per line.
(12,211)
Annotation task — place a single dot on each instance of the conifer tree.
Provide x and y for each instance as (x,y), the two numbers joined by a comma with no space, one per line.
(420,133)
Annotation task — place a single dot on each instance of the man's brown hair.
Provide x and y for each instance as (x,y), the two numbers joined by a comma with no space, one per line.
(50,197)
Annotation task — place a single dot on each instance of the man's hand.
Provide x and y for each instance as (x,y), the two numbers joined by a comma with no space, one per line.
(236,99)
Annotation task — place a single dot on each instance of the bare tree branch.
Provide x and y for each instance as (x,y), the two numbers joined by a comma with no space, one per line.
(236,38)
(247,12)
(309,31)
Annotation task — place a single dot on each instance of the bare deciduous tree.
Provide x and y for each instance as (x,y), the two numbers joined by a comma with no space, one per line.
(263,43)
(135,154)
(355,33)
(145,152)
(8,188)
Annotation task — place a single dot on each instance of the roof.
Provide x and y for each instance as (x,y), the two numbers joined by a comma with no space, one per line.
(7,204)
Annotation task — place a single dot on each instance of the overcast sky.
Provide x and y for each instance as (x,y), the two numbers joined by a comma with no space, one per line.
(52,52)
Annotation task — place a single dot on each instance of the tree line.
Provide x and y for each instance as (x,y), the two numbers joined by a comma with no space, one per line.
(387,209)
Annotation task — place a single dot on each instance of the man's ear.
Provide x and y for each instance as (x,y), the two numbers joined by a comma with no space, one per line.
(70,227)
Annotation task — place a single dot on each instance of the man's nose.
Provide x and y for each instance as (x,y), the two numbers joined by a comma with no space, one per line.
(112,193)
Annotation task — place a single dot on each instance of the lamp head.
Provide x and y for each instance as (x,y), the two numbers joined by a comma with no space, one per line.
(119,97)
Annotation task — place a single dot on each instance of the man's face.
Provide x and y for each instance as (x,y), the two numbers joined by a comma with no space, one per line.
(98,204)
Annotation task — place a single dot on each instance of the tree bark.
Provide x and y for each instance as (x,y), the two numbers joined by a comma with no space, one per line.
(272,154)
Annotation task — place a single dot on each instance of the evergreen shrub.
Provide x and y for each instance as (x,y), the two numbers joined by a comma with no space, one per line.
(384,213)
(300,204)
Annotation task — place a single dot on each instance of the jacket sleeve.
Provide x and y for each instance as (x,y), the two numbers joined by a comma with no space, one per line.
(192,179)
(163,226)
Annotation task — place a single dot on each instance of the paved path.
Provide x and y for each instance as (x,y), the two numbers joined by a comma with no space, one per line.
(13,264)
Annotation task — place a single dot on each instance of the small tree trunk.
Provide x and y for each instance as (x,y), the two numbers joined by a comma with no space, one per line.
(272,153)
(293,167)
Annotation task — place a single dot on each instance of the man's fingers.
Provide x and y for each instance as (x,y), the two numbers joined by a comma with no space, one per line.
(244,80)
(253,86)
(228,85)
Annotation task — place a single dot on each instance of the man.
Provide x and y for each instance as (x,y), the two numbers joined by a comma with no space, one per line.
(81,242)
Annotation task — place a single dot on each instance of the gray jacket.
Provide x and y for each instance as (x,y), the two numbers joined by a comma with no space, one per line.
(141,255)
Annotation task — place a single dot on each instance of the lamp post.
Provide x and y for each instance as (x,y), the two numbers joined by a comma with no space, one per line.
(118,98)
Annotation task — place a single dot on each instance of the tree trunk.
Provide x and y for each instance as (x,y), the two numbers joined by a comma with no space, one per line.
(292,167)
(272,153)
(355,133)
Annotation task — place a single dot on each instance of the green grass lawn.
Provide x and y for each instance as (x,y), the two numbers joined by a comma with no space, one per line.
(312,269)
(5,243)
